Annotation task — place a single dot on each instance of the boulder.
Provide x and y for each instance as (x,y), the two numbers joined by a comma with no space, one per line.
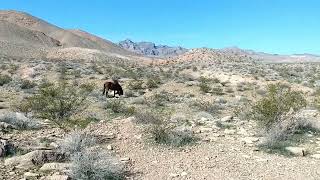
(55,167)
(227,119)
(30,175)
(297,151)
(34,158)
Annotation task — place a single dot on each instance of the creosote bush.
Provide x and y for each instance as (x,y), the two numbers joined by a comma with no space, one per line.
(119,106)
(280,99)
(27,84)
(135,85)
(5,79)
(58,102)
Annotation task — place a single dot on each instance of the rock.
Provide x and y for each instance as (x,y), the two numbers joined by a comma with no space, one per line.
(57,177)
(316,156)
(240,99)
(54,145)
(6,126)
(204,115)
(173,175)
(125,159)
(229,131)
(249,140)
(221,100)
(5,148)
(227,119)
(30,175)
(205,129)
(55,167)
(297,151)
(109,147)
(183,174)
(33,159)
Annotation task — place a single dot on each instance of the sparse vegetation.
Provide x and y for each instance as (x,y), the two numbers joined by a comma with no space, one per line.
(58,102)
(27,84)
(95,164)
(279,101)
(5,79)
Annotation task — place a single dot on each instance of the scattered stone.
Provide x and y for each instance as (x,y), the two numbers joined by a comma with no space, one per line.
(125,159)
(55,167)
(249,140)
(57,177)
(33,159)
(227,119)
(205,129)
(183,174)
(174,175)
(30,175)
(229,131)
(316,156)
(109,147)
(297,151)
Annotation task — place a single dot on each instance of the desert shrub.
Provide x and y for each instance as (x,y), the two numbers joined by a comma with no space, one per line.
(19,121)
(76,142)
(280,99)
(151,83)
(146,117)
(58,102)
(5,79)
(119,106)
(207,106)
(95,164)
(27,84)
(169,134)
(130,93)
(159,99)
(217,91)
(135,85)
(204,87)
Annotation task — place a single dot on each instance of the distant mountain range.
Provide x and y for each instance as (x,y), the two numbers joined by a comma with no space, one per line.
(23,35)
(150,49)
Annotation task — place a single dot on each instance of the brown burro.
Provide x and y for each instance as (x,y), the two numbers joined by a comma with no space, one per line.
(112,85)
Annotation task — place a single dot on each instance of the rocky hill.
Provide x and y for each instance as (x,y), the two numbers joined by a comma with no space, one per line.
(150,49)
(26,30)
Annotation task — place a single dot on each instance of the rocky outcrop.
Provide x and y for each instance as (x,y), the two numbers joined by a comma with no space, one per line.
(150,49)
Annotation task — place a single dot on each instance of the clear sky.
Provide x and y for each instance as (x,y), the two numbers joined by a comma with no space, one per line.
(274,26)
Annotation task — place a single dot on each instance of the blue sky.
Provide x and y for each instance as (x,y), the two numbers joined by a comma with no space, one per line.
(274,26)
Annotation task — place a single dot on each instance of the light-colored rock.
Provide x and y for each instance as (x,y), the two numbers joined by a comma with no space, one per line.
(33,158)
(229,131)
(30,175)
(109,147)
(55,167)
(297,151)
(205,129)
(249,140)
(184,174)
(227,119)
(57,177)
(316,156)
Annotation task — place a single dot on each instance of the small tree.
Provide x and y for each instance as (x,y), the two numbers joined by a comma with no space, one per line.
(59,102)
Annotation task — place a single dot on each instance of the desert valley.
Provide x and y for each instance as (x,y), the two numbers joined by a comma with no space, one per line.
(185,113)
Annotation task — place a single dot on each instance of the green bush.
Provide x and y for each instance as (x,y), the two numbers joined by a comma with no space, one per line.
(135,85)
(119,106)
(5,79)
(151,83)
(27,84)
(58,102)
(280,99)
